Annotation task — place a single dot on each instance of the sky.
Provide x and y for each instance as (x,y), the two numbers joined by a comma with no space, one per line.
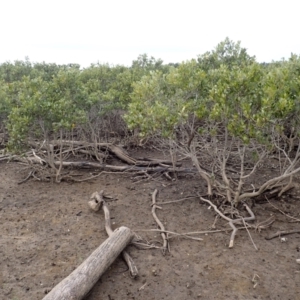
(117,32)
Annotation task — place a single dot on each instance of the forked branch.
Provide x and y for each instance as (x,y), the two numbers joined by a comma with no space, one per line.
(231,222)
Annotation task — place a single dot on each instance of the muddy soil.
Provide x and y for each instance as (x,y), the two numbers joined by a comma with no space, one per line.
(47,230)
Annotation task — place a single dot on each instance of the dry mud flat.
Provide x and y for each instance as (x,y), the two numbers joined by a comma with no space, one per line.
(47,230)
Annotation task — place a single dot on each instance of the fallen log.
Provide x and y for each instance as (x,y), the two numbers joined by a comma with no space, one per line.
(82,279)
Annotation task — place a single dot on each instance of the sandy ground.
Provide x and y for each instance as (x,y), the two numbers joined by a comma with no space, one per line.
(47,230)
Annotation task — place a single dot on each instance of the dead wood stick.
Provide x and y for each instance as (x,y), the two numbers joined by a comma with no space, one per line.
(265,224)
(92,153)
(27,177)
(295,219)
(71,177)
(187,233)
(118,151)
(167,176)
(98,198)
(106,167)
(280,233)
(121,154)
(251,239)
(231,222)
(239,221)
(7,157)
(213,226)
(84,277)
(175,201)
(157,161)
(159,223)
(87,164)
(175,234)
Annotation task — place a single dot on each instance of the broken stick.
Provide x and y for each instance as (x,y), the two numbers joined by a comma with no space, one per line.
(96,203)
(159,223)
(281,233)
(231,222)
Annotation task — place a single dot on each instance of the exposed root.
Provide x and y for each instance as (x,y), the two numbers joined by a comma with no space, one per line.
(281,233)
(231,222)
(27,177)
(265,224)
(159,223)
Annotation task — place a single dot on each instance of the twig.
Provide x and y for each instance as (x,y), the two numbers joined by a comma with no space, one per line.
(34,176)
(168,176)
(27,177)
(230,221)
(280,233)
(175,201)
(213,226)
(159,223)
(186,234)
(144,246)
(143,286)
(40,160)
(95,176)
(289,186)
(265,224)
(250,235)
(255,280)
(295,219)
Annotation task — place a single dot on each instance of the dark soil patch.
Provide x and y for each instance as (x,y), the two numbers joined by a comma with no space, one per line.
(47,230)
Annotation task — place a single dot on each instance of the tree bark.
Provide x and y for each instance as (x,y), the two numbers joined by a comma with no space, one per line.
(81,280)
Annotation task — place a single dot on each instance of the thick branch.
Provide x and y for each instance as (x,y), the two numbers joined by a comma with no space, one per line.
(268,184)
(159,223)
(98,201)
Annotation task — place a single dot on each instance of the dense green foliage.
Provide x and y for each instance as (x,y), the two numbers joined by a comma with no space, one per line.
(37,100)
(225,86)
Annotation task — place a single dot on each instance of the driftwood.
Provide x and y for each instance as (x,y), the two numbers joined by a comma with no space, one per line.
(82,279)
(56,162)
(156,169)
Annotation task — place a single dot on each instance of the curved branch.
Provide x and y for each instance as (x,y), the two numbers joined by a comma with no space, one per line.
(230,221)
(159,223)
